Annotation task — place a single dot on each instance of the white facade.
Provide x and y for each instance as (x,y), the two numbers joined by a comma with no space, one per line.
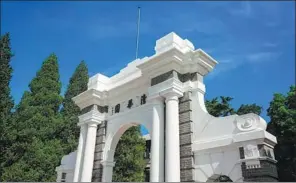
(145,98)
(67,168)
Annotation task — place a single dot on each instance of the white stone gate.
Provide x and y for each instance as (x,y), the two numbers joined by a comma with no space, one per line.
(165,93)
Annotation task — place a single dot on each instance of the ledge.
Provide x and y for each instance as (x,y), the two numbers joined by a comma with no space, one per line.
(171,85)
(254,135)
(233,139)
(90,97)
(94,117)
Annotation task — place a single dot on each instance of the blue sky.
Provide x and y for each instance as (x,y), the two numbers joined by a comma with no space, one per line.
(254,42)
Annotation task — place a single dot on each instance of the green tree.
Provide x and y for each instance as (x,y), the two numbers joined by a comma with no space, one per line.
(38,121)
(6,102)
(245,109)
(282,113)
(222,107)
(70,111)
(129,157)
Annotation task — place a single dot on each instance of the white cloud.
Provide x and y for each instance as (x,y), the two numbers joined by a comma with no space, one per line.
(224,66)
(235,61)
(262,57)
(208,26)
(270,45)
(244,10)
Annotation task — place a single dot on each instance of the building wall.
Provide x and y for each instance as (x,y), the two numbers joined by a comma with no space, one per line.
(224,161)
(65,172)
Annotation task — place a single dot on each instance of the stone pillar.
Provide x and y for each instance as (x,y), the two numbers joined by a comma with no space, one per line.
(86,174)
(80,153)
(172,152)
(157,141)
(107,171)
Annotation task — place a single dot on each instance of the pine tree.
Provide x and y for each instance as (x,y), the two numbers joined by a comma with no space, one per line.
(223,107)
(70,111)
(6,102)
(220,108)
(38,121)
(245,109)
(129,157)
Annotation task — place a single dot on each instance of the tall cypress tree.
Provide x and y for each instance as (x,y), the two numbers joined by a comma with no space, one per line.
(37,151)
(6,102)
(70,111)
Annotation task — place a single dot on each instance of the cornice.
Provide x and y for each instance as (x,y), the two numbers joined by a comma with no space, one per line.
(171,85)
(89,97)
(92,117)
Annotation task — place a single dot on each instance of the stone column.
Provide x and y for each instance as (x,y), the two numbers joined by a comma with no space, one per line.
(80,153)
(88,161)
(157,141)
(107,171)
(172,151)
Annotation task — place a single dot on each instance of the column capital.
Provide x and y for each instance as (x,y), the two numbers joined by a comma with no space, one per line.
(172,95)
(91,118)
(167,88)
(155,99)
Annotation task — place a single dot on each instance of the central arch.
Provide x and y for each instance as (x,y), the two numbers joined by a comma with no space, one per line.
(115,139)
(115,145)
(144,115)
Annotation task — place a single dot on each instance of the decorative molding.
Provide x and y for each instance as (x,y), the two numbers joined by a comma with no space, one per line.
(93,116)
(163,77)
(251,151)
(187,77)
(249,122)
(87,109)
(101,109)
(174,74)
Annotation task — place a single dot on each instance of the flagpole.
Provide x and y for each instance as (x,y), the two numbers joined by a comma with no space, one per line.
(138,31)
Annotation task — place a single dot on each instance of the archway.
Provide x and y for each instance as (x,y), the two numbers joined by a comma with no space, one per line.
(124,133)
(131,156)
(150,115)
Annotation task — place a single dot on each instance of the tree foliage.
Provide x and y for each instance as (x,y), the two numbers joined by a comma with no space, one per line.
(282,113)
(222,107)
(129,157)
(245,109)
(38,122)
(70,111)
(6,102)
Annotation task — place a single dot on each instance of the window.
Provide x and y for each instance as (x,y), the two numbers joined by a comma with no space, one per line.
(130,103)
(143,99)
(117,108)
(64,175)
